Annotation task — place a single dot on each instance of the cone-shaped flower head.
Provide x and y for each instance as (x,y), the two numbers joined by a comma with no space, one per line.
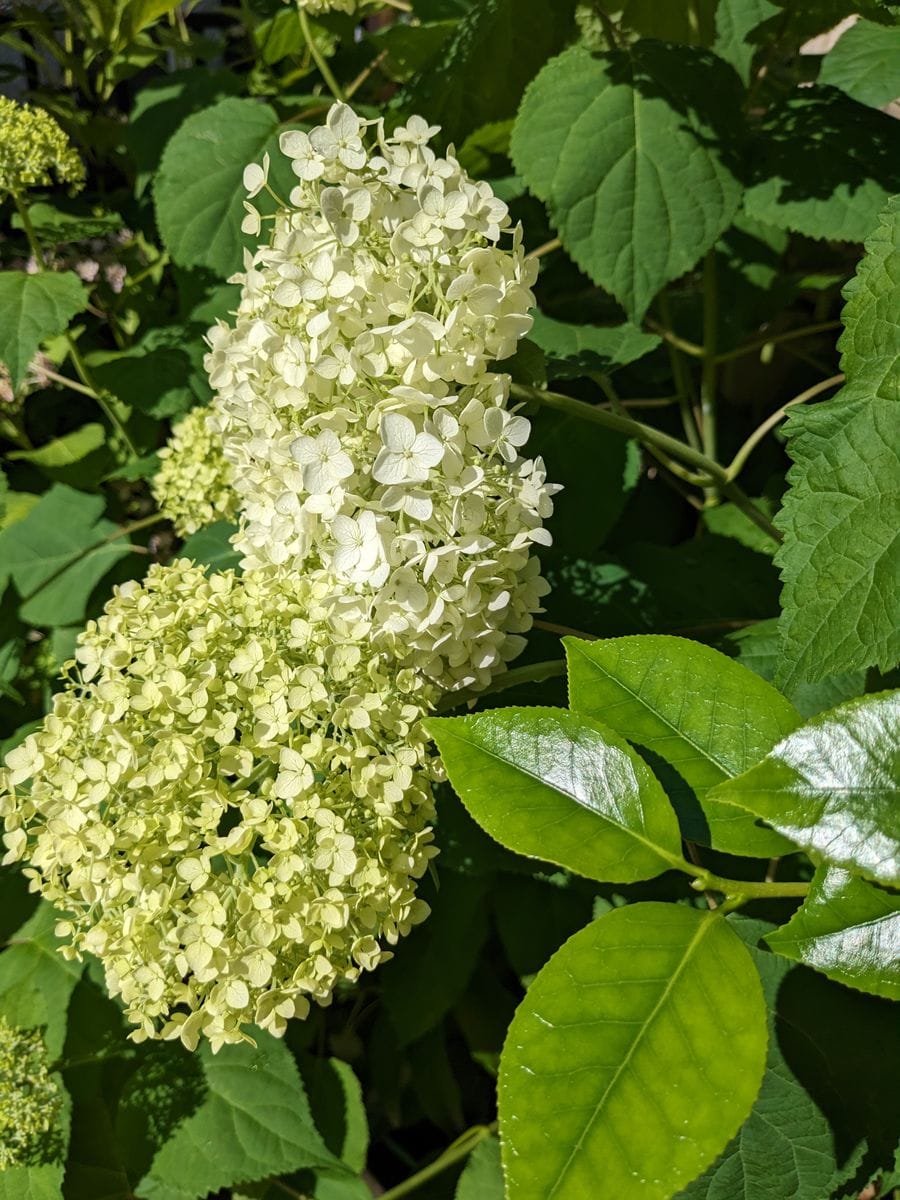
(229,802)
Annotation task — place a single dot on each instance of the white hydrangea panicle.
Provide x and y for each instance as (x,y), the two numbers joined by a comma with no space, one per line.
(193,485)
(371,445)
(30,1099)
(229,802)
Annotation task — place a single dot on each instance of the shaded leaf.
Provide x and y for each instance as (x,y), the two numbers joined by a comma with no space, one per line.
(703,713)
(482,1177)
(36,982)
(549,784)
(865,63)
(65,450)
(833,787)
(433,966)
(619,1076)
(199,188)
(620,145)
(254,1122)
(576,350)
(498,46)
(58,553)
(825,166)
(735,22)
(32,309)
(211,547)
(848,929)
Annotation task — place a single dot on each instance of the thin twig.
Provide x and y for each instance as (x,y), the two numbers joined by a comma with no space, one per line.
(737,463)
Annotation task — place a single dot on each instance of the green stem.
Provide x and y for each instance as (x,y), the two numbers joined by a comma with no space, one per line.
(776,339)
(737,463)
(708,431)
(318,58)
(680,374)
(650,437)
(88,385)
(739,890)
(461,1148)
(99,395)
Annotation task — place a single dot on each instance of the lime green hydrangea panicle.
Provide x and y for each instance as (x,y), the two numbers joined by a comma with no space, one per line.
(32,145)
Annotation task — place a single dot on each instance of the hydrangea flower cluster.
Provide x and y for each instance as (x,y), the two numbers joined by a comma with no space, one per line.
(30,1100)
(370,443)
(193,484)
(230,803)
(316,8)
(31,145)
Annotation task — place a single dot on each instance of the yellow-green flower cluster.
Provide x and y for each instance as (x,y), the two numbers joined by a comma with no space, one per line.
(31,145)
(317,7)
(229,802)
(29,1097)
(193,486)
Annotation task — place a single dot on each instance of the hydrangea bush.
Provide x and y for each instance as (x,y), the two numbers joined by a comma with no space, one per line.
(502,323)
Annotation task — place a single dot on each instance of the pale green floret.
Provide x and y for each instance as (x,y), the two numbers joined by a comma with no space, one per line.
(316,8)
(29,1097)
(229,801)
(31,146)
(193,486)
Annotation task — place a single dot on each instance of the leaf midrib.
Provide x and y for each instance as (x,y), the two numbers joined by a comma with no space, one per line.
(691,947)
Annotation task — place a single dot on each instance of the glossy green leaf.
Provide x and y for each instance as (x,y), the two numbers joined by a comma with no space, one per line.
(254,1122)
(36,982)
(336,1101)
(620,145)
(32,309)
(688,24)
(706,715)
(556,786)
(199,188)
(482,1178)
(825,166)
(633,1059)
(498,46)
(65,450)
(865,63)
(580,349)
(787,1146)
(58,554)
(833,787)
(849,929)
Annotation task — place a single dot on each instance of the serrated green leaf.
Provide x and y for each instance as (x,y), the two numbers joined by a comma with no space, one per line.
(598,470)
(703,713)
(825,166)
(727,520)
(841,554)
(580,349)
(155,380)
(786,1147)
(198,188)
(618,1076)
(758,648)
(849,930)
(865,63)
(57,555)
(52,224)
(254,1122)
(36,982)
(553,785)
(735,21)
(498,46)
(482,1177)
(833,787)
(336,1101)
(65,450)
(619,146)
(32,309)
